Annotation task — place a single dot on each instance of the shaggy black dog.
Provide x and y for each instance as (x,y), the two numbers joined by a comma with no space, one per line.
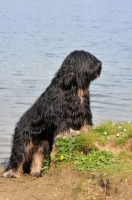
(63,106)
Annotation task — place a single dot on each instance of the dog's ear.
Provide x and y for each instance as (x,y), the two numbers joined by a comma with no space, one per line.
(66,75)
(68,80)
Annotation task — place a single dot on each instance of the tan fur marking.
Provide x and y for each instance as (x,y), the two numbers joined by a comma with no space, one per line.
(36,162)
(81,95)
(11,174)
(37,159)
(14,174)
(86,127)
(30,145)
(70,134)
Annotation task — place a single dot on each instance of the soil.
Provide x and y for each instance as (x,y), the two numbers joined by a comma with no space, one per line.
(112,147)
(65,183)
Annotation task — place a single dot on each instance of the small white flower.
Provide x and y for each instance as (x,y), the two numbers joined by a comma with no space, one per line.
(129,122)
(105,133)
(117,134)
(113,124)
(124,130)
(119,127)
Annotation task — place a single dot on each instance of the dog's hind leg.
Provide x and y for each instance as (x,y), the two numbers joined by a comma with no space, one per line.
(42,152)
(15,166)
(19,153)
(11,174)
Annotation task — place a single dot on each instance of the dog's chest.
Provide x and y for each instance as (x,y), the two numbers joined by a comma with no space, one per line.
(81,94)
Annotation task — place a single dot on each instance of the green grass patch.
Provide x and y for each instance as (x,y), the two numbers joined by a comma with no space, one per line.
(94,161)
(67,149)
(120,132)
(85,155)
(82,152)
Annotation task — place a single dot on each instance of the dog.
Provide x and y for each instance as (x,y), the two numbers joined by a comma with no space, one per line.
(64,105)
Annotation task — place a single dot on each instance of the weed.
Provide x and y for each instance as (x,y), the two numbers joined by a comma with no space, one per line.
(120,141)
(66,149)
(86,142)
(103,128)
(94,161)
(46,165)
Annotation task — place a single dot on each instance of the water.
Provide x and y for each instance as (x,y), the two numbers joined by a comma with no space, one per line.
(36,36)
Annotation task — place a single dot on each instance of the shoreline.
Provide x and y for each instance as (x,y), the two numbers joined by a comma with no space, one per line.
(109,178)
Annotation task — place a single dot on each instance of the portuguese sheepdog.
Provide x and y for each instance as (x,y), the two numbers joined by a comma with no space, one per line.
(63,107)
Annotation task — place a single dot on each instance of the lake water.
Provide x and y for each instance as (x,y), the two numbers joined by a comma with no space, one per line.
(36,36)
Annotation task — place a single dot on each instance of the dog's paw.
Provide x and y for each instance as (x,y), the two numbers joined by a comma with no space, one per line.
(86,128)
(35,174)
(74,133)
(11,174)
(70,134)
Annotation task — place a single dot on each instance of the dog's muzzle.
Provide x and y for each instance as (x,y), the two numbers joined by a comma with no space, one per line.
(98,70)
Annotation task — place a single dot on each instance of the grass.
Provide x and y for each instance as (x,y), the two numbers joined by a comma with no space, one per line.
(120,131)
(83,154)
(94,161)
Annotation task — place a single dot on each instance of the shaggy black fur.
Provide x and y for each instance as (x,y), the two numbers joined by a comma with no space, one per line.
(65,104)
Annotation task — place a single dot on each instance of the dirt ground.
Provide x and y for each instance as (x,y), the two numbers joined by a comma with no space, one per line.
(65,184)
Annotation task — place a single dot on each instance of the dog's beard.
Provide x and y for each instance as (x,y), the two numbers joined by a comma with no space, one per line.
(96,75)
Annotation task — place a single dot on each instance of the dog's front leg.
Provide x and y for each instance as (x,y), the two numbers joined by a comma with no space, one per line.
(65,131)
(37,160)
(40,154)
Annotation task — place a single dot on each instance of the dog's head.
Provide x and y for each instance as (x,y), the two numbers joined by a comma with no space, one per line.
(78,69)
